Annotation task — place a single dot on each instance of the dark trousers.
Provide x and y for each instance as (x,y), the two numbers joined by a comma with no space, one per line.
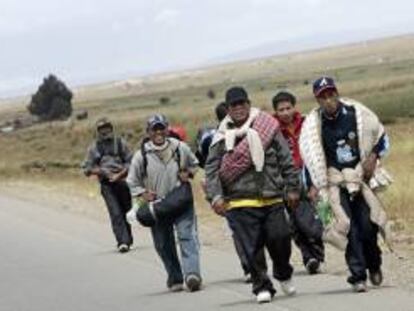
(307,232)
(362,252)
(118,201)
(256,228)
(260,257)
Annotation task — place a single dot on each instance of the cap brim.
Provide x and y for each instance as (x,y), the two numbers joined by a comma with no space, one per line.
(102,125)
(152,125)
(323,89)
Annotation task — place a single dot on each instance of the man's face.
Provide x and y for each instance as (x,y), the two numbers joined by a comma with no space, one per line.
(239,112)
(285,111)
(328,100)
(106,132)
(158,134)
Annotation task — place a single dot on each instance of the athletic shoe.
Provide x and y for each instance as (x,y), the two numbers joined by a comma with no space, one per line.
(360,287)
(193,282)
(248,278)
(312,266)
(376,277)
(264,296)
(176,288)
(288,287)
(123,248)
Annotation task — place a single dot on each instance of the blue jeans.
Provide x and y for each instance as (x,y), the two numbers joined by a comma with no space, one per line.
(187,238)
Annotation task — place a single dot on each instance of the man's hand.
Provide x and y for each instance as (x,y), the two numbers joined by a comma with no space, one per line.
(149,196)
(313,194)
(114,177)
(96,171)
(369,166)
(184,176)
(293,199)
(219,207)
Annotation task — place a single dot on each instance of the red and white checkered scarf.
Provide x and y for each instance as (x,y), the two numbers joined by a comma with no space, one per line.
(237,161)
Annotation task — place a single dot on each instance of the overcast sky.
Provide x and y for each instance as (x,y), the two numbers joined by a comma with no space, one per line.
(85,41)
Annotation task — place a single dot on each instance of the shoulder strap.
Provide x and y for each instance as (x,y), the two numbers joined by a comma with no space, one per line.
(144,157)
(178,156)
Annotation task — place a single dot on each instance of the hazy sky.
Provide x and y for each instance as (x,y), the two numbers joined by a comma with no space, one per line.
(95,40)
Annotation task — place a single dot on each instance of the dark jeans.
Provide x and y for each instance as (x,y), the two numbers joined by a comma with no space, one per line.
(256,228)
(118,202)
(308,240)
(187,238)
(362,252)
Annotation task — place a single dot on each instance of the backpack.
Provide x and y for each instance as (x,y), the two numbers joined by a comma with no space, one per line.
(203,142)
(177,156)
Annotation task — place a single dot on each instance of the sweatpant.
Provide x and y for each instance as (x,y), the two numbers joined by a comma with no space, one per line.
(118,202)
(309,239)
(362,252)
(257,228)
(260,257)
(187,238)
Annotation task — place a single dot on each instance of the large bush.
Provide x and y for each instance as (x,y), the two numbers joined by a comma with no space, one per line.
(52,101)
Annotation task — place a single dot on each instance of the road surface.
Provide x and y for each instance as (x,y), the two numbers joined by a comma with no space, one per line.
(51,259)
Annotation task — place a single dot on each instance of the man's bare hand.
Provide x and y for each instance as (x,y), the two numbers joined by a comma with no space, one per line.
(369,166)
(293,199)
(219,207)
(114,177)
(313,194)
(149,196)
(184,176)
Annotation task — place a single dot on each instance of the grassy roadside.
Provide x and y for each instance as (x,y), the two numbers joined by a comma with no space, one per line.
(379,74)
(56,177)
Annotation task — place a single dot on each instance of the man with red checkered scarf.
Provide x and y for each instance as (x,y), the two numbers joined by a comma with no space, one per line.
(249,171)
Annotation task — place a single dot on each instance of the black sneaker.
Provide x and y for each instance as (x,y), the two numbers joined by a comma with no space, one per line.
(193,282)
(376,277)
(312,266)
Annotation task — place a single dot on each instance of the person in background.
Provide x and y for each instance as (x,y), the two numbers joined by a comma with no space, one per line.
(108,158)
(310,243)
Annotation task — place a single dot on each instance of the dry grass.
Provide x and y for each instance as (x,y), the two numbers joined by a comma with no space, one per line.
(399,199)
(380,74)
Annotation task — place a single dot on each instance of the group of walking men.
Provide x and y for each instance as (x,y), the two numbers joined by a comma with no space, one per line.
(265,174)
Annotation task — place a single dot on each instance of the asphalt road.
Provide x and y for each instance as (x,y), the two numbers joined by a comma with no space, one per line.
(55,260)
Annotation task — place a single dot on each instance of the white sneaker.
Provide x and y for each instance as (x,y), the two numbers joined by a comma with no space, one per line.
(360,287)
(176,288)
(264,296)
(288,288)
(123,248)
(247,278)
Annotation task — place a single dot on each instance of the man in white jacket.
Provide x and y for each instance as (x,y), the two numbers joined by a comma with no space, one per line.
(341,143)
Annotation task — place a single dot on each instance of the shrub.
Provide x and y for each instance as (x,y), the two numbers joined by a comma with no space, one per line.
(52,101)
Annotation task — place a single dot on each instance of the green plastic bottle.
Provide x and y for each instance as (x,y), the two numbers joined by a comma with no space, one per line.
(324,210)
